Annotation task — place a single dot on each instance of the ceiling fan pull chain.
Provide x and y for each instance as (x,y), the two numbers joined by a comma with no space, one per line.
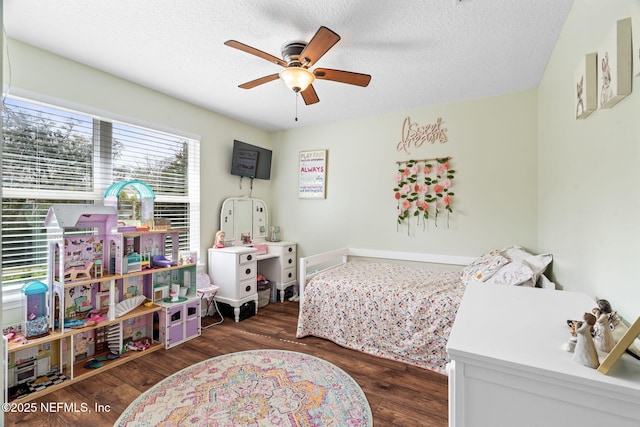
(297,106)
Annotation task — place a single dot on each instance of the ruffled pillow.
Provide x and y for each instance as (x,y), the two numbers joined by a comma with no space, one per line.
(484,267)
(537,263)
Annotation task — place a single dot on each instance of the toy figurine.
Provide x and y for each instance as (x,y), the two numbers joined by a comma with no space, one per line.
(585,352)
(219,241)
(570,345)
(602,336)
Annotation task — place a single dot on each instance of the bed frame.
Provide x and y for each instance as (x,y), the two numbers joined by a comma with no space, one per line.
(335,258)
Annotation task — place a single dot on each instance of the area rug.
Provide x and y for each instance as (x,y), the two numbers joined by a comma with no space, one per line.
(253,388)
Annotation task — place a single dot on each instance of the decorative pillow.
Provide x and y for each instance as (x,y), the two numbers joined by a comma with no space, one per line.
(538,263)
(483,267)
(515,273)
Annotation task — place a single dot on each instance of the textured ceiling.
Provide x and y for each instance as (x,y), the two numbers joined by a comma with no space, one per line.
(418,52)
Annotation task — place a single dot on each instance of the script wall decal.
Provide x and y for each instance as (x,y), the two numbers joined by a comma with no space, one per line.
(414,135)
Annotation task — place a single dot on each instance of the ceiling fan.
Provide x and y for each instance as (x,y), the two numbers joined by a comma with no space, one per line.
(297,58)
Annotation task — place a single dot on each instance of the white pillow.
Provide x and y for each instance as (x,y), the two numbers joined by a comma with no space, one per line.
(483,267)
(515,273)
(538,263)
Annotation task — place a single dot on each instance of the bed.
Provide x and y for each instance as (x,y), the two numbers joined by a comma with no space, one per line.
(395,305)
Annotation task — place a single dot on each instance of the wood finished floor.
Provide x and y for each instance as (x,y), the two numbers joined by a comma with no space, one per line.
(399,394)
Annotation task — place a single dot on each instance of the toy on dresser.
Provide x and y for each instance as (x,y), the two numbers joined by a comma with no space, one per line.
(592,334)
(585,351)
(602,336)
(219,240)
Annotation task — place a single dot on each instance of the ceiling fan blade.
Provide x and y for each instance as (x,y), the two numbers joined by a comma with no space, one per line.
(322,41)
(347,77)
(309,95)
(258,82)
(253,51)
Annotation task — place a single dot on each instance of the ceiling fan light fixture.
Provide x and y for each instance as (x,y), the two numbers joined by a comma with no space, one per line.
(297,78)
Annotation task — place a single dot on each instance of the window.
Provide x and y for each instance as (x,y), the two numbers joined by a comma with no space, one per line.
(51,155)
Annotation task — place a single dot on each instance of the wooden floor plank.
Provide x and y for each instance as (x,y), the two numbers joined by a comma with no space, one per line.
(399,394)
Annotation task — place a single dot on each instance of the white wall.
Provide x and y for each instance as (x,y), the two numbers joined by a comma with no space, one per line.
(493,145)
(589,176)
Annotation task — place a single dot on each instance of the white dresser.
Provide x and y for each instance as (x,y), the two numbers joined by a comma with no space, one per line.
(234,270)
(279,265)
(508,369)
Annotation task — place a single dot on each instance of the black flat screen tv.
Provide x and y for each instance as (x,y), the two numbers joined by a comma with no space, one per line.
(250,161)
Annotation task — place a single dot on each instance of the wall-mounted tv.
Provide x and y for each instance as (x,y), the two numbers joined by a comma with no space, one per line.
(250,161)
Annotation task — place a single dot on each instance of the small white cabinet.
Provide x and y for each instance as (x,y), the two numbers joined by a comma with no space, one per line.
(234,270)
(508,369)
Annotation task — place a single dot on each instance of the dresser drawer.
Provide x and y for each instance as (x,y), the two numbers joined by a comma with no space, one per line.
(247,271)
(247,288)
(288,274)
(289,261)
(289,249)
(246,258)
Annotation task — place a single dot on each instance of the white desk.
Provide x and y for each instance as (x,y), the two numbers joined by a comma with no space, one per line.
(234,270)
(508,367)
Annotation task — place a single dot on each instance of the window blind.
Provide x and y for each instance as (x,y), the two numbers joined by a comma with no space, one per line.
(52,155)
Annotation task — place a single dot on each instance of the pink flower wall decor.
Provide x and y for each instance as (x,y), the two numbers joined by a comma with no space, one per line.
(423,190)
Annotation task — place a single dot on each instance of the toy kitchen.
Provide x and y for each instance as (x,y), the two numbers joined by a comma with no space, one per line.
(28,364)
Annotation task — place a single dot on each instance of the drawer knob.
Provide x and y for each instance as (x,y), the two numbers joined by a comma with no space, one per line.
(290,275)
(290,261)
(248,271)
(248,288)
(249,257)
(290,249)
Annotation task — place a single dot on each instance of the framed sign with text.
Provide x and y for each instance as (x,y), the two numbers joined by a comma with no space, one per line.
(312,170)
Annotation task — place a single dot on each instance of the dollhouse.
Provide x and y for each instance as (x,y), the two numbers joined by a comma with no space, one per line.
(85,318)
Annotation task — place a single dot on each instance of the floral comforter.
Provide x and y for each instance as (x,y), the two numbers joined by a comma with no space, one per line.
(387,310)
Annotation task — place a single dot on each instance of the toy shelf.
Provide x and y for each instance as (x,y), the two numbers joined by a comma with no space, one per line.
(148,232)
(108,277)
(80,372)
(136,312)
(31,342)
(57,335)
(155,270)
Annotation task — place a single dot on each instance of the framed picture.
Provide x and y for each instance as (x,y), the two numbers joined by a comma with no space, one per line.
(614,65)
(586,87)
(312,174)
(622,346)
